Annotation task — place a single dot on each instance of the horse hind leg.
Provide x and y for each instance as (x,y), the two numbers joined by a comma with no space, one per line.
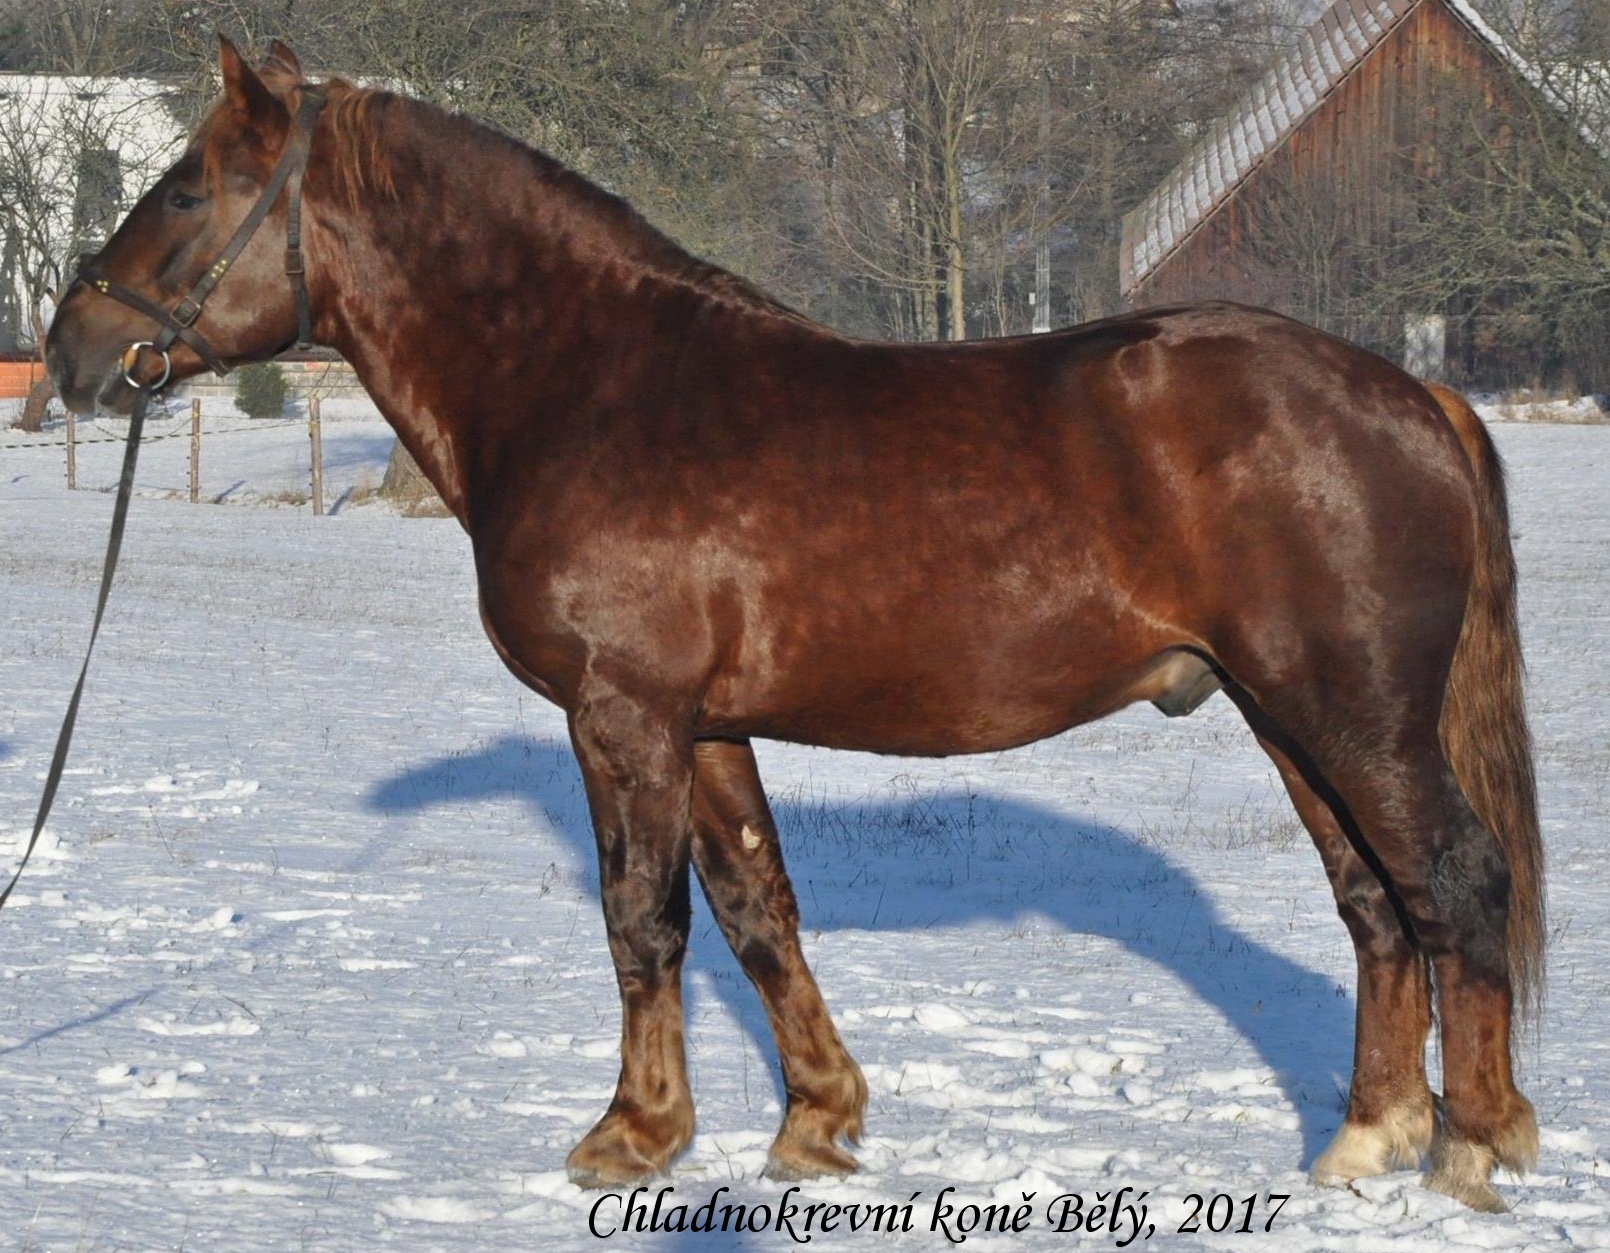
(1383,757)
(1455,885)
(740,865)
(1458,891)
(1390,1120)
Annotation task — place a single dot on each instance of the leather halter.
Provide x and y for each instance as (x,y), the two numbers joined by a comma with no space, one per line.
(179,322)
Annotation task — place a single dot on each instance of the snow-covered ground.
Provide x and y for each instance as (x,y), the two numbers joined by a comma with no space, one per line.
(312,956)
(241,460)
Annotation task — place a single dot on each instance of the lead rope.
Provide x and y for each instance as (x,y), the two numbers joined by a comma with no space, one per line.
(114,545)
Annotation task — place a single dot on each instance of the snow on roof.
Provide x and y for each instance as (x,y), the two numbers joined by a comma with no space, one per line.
(108,89)
(1323,57)
(130,115)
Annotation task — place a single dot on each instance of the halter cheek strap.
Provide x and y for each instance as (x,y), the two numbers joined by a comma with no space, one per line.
(178,323)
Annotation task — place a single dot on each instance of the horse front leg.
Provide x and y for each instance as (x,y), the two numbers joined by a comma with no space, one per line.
(638,769)
(740,865)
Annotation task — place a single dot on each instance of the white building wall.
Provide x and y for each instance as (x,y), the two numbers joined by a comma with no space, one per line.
(48,123)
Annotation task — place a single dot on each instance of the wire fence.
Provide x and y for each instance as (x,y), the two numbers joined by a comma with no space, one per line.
(181,430)
(252,460)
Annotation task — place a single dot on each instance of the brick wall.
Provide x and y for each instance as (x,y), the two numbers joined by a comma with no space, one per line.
(302,379)
(16,377)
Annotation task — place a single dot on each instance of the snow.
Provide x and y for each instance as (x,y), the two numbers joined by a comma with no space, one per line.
(242,460)
(312,957)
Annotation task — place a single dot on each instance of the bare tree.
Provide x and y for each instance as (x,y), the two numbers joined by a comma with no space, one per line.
(1517,243)
(1494,214)
(73,153)
(914,115)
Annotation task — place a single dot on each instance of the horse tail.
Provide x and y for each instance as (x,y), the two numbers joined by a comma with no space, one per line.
(1483,726)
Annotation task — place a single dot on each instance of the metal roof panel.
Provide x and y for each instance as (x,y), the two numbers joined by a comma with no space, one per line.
(1322,57)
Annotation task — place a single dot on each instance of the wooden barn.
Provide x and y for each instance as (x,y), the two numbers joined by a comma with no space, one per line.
(1384,181)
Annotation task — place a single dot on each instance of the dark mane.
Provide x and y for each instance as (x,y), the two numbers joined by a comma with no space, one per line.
(371,125)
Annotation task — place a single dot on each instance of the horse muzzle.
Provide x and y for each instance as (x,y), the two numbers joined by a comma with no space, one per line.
(141,367)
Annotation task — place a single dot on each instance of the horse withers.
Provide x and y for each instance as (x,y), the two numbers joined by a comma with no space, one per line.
(700,518)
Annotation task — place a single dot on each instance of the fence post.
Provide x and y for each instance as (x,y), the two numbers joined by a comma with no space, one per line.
(72,451)
(195,449)
(318,456)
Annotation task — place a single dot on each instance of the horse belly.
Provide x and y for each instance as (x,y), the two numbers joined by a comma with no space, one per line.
(925,692)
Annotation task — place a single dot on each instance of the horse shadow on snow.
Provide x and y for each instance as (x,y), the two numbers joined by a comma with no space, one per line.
(954,858)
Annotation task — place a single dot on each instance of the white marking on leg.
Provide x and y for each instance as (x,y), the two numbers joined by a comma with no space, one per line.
(1463,1171)
(1361,1150)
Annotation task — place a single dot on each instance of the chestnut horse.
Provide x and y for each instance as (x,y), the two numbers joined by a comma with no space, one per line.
(699,517)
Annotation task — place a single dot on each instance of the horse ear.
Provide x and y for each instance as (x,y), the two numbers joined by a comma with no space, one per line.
(280,70)
(245,91)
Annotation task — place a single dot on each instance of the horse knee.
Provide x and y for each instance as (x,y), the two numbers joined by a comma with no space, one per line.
(648,927)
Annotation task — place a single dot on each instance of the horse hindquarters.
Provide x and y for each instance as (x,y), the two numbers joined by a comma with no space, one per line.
(1387,702)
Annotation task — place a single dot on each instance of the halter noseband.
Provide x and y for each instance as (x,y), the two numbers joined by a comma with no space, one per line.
(179,322)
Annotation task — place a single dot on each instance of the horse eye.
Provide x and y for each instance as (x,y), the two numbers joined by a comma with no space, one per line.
(182,200)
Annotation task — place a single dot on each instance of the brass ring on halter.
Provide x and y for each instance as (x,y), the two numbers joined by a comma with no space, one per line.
(131,356)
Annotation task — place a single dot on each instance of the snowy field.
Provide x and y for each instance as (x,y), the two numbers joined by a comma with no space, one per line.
(312,955)
(242,461)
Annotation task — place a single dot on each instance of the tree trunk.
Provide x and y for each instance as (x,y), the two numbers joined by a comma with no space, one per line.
(955,259)
(406,483)
(33,409)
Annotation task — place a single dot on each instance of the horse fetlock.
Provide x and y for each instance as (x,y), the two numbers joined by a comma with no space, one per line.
(840,1093)
(807,1147)
(1515,1145)
(629,1147)
(818,1118)
(1398,1140)
(1464,1171)
(1462,1164)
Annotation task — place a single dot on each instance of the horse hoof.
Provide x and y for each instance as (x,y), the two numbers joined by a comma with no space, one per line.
(796,1163)
(1478,1195)
(1462,1170)
(611,1155)
(1397,1141)
(807,1145)
(589,1170)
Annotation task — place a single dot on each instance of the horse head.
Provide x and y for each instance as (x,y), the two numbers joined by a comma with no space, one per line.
(200,274)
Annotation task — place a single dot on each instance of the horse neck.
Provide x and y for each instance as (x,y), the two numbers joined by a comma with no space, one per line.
(479,306)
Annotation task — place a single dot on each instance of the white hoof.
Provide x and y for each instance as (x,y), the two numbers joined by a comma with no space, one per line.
(1361,1150)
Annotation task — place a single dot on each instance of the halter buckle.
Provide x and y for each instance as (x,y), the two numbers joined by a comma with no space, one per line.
(187,311)
(131,357)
